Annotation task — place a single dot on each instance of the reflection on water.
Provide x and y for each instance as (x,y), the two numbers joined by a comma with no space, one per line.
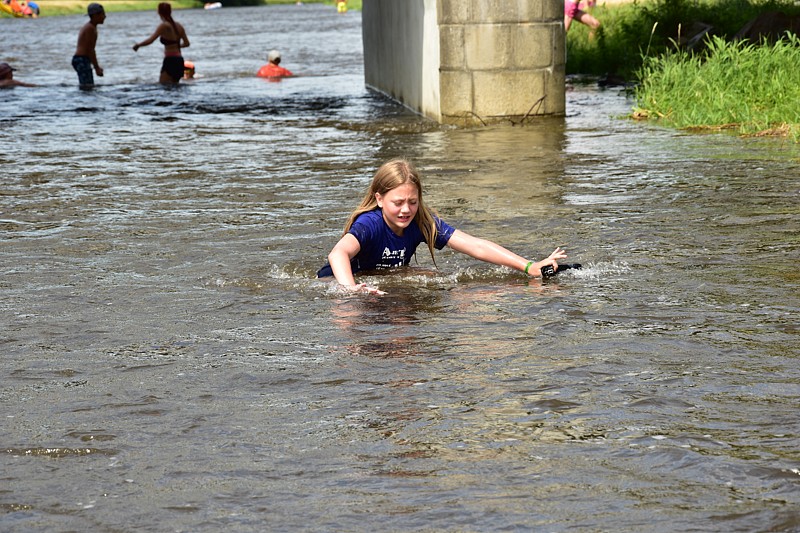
(170,359)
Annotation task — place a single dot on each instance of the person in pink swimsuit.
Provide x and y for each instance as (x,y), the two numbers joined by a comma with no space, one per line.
(572,11)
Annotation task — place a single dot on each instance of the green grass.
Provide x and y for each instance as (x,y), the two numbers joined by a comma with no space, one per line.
(651,27)
(752,88)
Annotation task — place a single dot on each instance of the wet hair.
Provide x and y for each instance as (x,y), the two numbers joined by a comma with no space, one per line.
(391,175)
(165,11)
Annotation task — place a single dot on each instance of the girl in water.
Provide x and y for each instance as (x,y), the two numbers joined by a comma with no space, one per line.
(173,37)
(392,220)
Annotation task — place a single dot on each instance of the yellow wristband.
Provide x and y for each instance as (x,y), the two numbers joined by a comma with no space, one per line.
(528,266)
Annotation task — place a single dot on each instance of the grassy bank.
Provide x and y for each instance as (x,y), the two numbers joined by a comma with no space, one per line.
(631,30)
(750,88)
(51,8)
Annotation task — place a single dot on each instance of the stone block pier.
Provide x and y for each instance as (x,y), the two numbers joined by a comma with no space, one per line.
(467,62)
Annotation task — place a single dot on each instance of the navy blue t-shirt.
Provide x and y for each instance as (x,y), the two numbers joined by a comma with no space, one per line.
(381,248)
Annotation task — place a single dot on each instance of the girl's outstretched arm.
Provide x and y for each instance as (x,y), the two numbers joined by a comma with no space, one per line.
(150,40)
(339,259)
(146,42)
(494,253)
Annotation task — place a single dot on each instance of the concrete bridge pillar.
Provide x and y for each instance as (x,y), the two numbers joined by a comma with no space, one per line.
(467,61)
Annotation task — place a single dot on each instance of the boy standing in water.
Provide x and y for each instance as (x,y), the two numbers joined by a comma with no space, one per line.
(85,57)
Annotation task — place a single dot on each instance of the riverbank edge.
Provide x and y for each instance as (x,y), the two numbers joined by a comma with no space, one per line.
(731,85)
(626,39)
(56,8)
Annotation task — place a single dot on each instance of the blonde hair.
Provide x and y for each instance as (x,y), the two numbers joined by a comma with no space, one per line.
(391,175)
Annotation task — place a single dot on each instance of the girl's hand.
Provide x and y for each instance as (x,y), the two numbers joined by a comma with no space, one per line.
(558,253)
(363,287)
(552,260)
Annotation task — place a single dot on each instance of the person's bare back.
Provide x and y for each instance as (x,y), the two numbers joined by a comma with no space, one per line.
(87,40)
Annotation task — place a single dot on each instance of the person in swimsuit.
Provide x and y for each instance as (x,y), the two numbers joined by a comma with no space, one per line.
(85,57)
(392,220)
(273,69)
(173,37)
(572,11)
(7,77)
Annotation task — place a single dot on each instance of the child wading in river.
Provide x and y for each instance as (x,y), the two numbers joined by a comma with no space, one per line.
(392,220)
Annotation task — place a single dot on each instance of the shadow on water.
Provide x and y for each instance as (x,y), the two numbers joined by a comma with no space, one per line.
(258,107)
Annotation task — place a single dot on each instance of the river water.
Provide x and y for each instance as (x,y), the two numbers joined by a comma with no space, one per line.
(169,362)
